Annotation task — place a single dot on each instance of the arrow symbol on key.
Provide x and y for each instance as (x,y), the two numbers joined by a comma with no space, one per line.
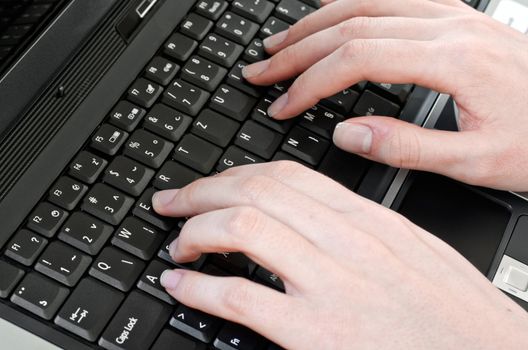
(202,325)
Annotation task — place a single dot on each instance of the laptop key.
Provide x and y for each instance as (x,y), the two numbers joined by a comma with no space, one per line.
(179,47)
(67,193)
(85,233)
(165,255)
(174,175)
(255,10)
(321,121)
(236,28)
(185,97)
(305,145)
(87,167)
(137,323)
(88,309)
(269,278)
(236,263)
(126,115)
(260,114)
(138,238)
(197,154)
(161,70)
(345,168)
(236,337)
(398,92)
(25,247)
(255,51)
(167,122)
(215,127)
(195,323)
(46,219)
(203,73)
(128,176)
(258,139)
(373,104)
(232,103)
(220,50)
(292,10)
(116,268)
(147,148)
(235,79)
(39,295)
(211,9)
(144,92)
(63,263)
(234,157)
(342,102)
(150,282)
(169,340)
(144,210)
(272,26)
(107,204)
(196,26)
(11,275)
(108,139)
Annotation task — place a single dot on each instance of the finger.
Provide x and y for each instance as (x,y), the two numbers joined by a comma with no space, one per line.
(236,299)
(269,196)
(339,11)
(328,192)
(405,145)
(387,60)
(264,240)
(298,57)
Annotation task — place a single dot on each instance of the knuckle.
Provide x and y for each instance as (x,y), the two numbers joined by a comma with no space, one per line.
(238,298)
(359,52)
(354,26)
(255,187)
(243,224)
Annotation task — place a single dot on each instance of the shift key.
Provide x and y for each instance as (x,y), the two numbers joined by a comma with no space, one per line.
(137,323)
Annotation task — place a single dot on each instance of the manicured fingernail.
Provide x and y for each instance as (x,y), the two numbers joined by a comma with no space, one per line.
(163,198)
(275,40)
(173,246)
(278,105)
(170,278)
(353,137)
(255,69)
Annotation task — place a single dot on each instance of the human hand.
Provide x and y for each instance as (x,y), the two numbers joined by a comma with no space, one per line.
(439,44)
(357,275)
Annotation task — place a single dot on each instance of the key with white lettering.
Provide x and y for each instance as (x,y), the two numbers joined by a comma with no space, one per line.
(197,153)
(320,120)
(195,323)
(232,103)
(107,204)
(117,268)
(126,115)
(39,295)
(220,50)
(255,10)
(236,28)
(89,308)
(144,92)
(144,210)
(165,255)
(292,10)
(185,97)
(211,9)
(234,157)
(25,247)
(202,73)
(67,192)
(108,139)
(138,238)
(46,219)
(260,114)
(258,139)
(128,176)
(137,323)
(269,278)
(150,281)
(85,232)
(305,145)
(148,148)
(174,175)
(236,337)
(167,122)
(63,263)
(87,167)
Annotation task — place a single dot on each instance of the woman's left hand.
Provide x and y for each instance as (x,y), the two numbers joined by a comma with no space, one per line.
(357,275)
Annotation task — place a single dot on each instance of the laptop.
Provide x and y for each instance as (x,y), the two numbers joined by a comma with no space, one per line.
(104,102)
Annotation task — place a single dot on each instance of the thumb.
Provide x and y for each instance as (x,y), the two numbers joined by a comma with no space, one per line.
(404,145)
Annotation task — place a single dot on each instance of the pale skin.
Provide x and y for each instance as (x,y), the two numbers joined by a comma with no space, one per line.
(357,275)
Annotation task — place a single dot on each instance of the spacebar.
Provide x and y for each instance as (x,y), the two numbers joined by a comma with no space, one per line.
(346,168)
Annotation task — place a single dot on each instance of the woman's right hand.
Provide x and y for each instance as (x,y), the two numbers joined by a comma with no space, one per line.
(440,44)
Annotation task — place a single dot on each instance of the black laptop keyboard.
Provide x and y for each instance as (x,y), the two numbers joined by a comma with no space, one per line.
(89,257)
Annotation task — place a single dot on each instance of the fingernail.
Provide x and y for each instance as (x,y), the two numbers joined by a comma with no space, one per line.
(353,137)
(278,105)
(255,69)
(170,278)
(173,246)
(275,40)
(163,198)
